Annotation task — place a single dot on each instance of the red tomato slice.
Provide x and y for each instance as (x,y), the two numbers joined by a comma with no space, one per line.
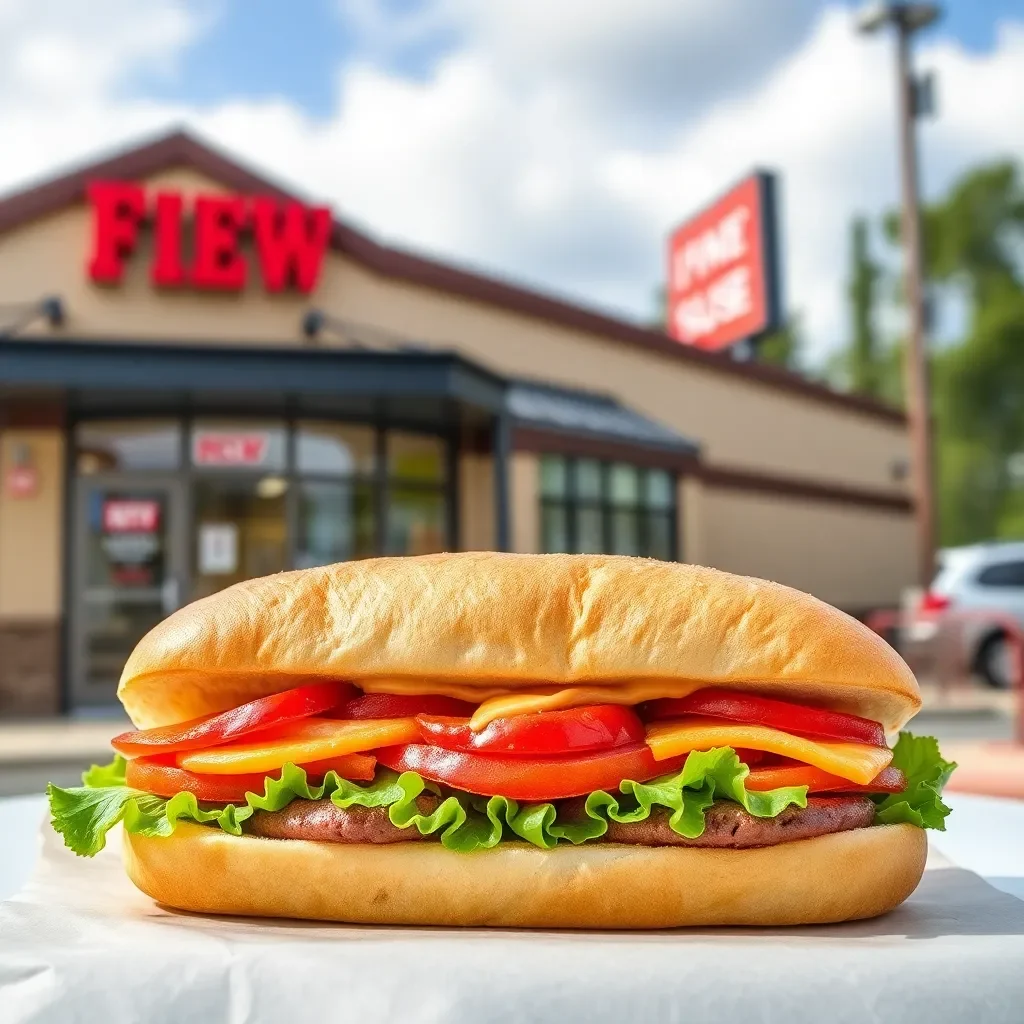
(598,727)
(547,778)
(749,757)
(213,730)
(779,714)
(888,780)
(165,780)
(399,705)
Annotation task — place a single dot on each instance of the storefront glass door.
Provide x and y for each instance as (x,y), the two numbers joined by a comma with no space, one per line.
(129,573)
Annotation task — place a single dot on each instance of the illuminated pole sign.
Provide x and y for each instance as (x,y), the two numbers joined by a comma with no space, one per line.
(289,239)
(723,273)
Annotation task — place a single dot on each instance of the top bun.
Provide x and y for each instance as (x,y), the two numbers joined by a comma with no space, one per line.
(481,624)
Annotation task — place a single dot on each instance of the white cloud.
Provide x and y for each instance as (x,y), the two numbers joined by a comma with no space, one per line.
(556,150)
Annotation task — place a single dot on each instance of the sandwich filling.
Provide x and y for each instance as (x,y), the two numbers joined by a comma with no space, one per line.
(327,763)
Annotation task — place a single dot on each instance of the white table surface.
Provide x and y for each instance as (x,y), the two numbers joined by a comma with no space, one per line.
(984,835)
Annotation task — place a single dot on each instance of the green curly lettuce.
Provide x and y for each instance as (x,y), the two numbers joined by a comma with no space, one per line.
(927,773)
(465,823)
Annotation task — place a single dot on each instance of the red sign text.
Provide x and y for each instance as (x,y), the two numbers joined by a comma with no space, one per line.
(289,238)
(131,515)
(223,449)
(722,273)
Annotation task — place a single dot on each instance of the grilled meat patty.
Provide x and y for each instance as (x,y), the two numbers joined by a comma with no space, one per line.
(727,824)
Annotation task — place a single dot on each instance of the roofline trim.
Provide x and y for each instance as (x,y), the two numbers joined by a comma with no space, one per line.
(541,441)
(181,149)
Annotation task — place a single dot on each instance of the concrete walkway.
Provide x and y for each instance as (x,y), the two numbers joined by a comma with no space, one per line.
(58,739)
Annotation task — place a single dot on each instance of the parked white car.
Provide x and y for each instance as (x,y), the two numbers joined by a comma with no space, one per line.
(971,609)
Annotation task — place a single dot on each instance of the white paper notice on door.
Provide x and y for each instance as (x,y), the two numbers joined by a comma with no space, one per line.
(218,549)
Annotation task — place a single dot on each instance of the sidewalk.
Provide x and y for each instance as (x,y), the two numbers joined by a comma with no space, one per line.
(53,740)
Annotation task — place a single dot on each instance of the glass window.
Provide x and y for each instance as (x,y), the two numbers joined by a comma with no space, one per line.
(625,484)
(1003,574)
(554,528)
(415,456)
(336,523)
(659,535)
(589,531)
(224,445)
(328,449)
(659,488)
(588,480)
(635,516)
(107,447)
(240,532)
(416,521)
(552,476)
(625,532)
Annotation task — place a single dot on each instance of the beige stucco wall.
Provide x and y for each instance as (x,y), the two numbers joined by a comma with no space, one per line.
(476,502)
(524,485)
(31,534)
(741,423)
(852,557)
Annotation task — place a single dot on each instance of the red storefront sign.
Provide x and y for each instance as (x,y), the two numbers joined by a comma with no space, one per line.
(22,481)
(131,515)
(723,269)
(289,239)
(229,449)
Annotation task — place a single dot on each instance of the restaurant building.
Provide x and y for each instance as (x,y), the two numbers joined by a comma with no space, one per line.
(203,379)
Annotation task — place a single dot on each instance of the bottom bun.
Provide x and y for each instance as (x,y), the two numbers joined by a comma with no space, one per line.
(839,877)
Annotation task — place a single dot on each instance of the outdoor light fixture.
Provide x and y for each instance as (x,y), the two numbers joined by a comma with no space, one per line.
(908,16)
(50,309)
(271,487)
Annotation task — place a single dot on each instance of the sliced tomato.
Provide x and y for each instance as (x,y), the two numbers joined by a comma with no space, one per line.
(779,714)
(277,709)
(749,757)
(312,739)
(540,778)
(888,780)
(597,727)
(402,705)
(165,780)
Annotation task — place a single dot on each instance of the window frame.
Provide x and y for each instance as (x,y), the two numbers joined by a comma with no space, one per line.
(571,503)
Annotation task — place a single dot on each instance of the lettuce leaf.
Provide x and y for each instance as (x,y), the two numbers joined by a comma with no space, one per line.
(927,773)
(465,823)
(706,776)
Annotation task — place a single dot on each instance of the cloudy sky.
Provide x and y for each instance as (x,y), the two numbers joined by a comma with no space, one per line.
(553,143)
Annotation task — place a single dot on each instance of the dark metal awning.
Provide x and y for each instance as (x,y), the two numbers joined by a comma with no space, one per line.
(109,374)
(586,414)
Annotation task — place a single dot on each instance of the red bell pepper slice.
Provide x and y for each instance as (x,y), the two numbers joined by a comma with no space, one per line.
(150,775)
(215,730)
(529,779)
(401,705)
(888,780)
(779,714)
(598,727)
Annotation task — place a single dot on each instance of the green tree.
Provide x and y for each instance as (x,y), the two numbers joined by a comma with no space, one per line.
(973,240)
(782,346)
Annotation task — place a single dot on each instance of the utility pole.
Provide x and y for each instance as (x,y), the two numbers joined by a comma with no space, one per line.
(906,19)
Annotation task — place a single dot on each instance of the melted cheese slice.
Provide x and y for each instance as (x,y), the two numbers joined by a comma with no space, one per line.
(858,762)
(311,739)
(577,697)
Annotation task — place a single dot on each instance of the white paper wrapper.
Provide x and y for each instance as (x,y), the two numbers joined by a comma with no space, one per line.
(81,944)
